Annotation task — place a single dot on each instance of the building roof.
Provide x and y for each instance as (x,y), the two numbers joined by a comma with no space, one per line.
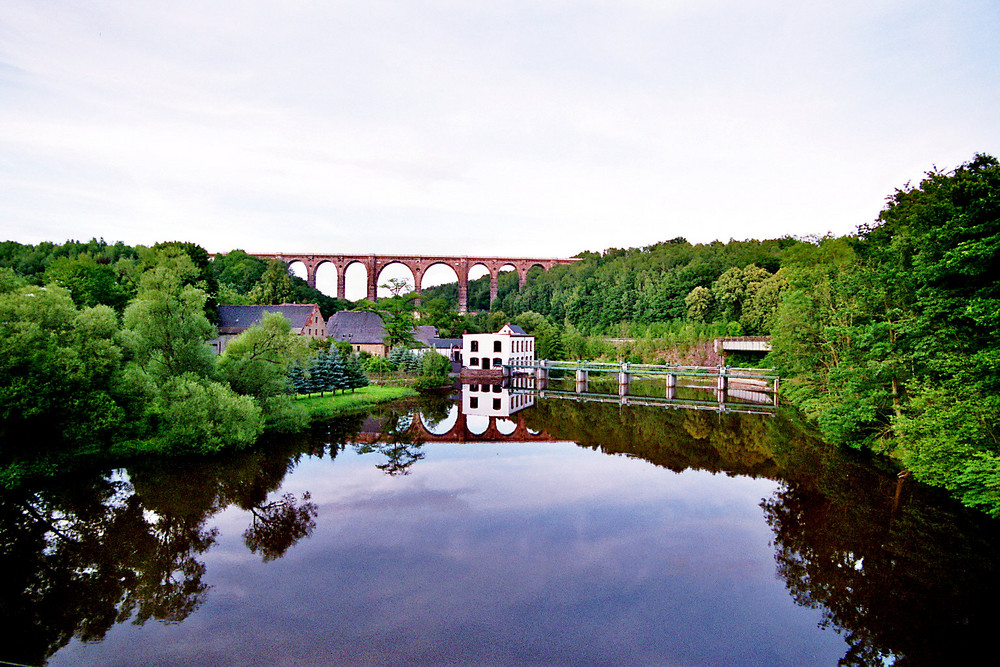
(236,319)
(366,328)
(425,333)
(359,327)
(445,343)
(514,329)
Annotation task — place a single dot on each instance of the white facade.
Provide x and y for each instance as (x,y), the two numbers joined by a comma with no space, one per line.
(488,351)
(493,400)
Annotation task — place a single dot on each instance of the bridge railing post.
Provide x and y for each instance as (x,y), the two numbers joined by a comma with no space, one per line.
(624,380)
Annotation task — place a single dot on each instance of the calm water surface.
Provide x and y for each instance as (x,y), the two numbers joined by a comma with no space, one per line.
(566,533)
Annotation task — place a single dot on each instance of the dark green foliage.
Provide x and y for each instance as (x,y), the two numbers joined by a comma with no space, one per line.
(436,370)
(356,377)
(639,285)
(404,360)
(238,271)
(59,370)
(90,282)
(298,379)
(898,349)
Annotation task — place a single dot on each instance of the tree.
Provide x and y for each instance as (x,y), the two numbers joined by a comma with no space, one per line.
(898,350)
(58,373)
(403,359)
(89,282)
(397,286)
(760,309)
(167,327)
(275,285)
(256,363)
(356,377)
(238,271)
(436,371)
(398,320)
(699,302)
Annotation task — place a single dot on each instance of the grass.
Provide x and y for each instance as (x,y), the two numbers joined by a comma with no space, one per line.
(332,405)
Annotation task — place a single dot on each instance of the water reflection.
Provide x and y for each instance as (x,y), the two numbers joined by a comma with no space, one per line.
(400,441)
(899,573)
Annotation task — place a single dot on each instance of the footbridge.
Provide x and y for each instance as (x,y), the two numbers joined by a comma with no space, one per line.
(418,265)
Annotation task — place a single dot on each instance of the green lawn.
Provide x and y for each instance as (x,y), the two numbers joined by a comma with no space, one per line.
(330,405)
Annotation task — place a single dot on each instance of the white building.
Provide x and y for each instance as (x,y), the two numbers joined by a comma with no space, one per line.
(490,351)
(494,400)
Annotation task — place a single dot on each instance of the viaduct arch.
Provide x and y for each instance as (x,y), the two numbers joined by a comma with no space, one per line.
(418,265)
(460,431)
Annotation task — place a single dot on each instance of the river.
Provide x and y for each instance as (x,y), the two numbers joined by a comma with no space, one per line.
(529,529)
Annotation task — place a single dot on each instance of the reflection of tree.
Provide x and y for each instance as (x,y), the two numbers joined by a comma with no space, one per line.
(674,439)
(903,576)
(76,561)
(80,556)
(279,524)
(435,409)
(917,581)
(398,443)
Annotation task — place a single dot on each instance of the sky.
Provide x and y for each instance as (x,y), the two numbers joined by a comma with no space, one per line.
(525,129)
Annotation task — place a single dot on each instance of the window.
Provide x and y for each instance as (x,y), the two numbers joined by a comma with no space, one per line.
(496,403)
(497,346)
(486,363)
(474,361)
(497,362)
(474,346)
(474,402)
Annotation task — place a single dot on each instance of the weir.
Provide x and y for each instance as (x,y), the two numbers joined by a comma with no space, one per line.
(752,384)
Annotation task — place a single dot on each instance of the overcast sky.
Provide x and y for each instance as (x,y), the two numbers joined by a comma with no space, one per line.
(530,128)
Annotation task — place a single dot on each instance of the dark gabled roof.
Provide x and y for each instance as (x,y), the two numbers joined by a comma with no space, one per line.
(362,327)
(235,319)
(425,333)
(445,343)
(366,328)
(516,329)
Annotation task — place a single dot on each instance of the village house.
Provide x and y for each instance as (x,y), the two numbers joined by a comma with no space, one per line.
(366,333)
(493,350)
(305,318)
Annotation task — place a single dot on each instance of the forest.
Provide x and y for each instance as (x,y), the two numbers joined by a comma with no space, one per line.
(887,339)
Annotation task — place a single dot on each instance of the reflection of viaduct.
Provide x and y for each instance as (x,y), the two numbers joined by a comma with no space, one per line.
(460,432)
(418,265)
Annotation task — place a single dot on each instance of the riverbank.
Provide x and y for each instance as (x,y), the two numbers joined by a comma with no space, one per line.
(334,405)
(16,472)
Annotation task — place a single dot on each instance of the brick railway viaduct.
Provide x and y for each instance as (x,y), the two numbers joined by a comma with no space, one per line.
(418,265)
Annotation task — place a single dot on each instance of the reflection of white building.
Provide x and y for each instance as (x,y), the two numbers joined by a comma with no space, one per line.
(492,400)
(488,351)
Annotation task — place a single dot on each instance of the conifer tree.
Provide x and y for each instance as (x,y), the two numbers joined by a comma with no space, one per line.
(320,374)
(399,358)
(337,376)
(298,379)
(355,373)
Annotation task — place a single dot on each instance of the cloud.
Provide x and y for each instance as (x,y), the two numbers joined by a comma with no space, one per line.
(476,127)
